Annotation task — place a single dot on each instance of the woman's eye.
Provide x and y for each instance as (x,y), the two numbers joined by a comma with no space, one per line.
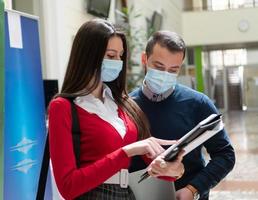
(110,56)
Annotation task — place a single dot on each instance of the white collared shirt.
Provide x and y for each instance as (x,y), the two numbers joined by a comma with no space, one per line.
(108,111)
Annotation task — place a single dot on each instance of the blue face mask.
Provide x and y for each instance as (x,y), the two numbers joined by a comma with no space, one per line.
(159,81)
(110,69)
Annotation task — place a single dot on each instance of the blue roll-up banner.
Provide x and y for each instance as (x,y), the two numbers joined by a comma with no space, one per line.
(25,130)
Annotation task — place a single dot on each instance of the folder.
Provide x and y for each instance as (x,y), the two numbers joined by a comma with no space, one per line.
(152,188)
(197,136)
(194,138)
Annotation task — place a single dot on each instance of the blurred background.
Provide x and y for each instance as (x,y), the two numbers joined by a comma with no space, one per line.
(221,61)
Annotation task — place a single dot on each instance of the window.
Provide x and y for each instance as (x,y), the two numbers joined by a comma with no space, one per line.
(229,57)
(234,57)
(219,5)
(216,58)
(230,4)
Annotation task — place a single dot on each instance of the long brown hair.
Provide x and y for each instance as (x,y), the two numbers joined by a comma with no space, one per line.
(83,72)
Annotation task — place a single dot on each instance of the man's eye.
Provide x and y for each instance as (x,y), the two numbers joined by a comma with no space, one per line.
(159,68)
(173,70)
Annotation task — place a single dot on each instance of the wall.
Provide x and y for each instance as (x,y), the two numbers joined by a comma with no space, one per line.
(8,4)
(25,6)
(60,20)
(219,27)
(252,56)
(171,13)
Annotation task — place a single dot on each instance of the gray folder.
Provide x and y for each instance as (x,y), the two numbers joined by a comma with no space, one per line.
(151,188)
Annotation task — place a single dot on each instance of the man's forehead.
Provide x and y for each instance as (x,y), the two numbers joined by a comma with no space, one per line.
(162,50)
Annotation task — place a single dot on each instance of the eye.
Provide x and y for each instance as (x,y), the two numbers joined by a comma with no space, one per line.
(173,70)
(159,68)
(111,56)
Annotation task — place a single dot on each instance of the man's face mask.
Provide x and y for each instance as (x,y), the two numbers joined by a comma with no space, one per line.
(159,81)
(110,69)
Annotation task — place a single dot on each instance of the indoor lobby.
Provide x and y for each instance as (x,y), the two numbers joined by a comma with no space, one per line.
(221,62)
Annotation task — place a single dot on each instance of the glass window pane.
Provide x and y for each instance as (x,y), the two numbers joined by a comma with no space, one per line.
(233,57)
(205,61)
(216,58)
(219,5)
(237,3)
(249,3)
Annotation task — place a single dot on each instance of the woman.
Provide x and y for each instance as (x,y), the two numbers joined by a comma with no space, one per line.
(110,122)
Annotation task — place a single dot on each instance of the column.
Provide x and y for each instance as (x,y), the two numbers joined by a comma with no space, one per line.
(198,68)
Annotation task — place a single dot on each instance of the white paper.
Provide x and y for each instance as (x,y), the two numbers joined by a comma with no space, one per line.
(15,31)
(197,141)
(202,138)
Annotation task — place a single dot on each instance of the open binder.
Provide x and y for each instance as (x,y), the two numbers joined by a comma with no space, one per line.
(197,136)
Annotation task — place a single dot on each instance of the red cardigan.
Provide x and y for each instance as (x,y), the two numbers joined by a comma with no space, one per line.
(101,155)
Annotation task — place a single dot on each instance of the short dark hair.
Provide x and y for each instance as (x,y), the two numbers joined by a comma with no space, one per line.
(170,40)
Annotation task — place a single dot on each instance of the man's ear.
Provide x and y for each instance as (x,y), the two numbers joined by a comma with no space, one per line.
(144,62)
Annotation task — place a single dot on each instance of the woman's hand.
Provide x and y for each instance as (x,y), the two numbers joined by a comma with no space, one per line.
(159,167)
(150,147)
(184,194)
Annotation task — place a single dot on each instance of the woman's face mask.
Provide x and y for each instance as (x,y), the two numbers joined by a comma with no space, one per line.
(110,69)
(160,81)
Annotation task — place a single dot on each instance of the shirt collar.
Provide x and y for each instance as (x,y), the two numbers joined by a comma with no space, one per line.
(153,96)
(107,92)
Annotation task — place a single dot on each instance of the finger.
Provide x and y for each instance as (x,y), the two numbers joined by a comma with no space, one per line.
(159,164)
(152,172)
(155,146)
(150,152)
(164,142)
(180,155)
(157,169)
(158,148)
(163,164)
(158,160)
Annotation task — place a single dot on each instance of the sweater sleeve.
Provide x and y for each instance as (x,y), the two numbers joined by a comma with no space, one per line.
(72,181)
(222,156)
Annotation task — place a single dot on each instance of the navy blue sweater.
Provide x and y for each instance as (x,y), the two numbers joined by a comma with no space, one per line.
(174,117)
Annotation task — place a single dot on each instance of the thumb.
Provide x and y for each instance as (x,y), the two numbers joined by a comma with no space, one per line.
(165,142)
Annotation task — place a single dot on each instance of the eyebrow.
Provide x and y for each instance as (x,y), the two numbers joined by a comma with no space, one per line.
(160,63)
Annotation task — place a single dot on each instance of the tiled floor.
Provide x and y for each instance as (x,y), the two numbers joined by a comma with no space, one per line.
(242,182)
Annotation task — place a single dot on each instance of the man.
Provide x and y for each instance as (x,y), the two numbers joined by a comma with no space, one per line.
(173,110)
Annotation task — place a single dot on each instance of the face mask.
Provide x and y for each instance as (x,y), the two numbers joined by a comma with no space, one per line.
(159,81)
(110,69)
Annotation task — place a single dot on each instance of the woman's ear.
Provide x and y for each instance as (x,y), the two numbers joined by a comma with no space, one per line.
(144,62)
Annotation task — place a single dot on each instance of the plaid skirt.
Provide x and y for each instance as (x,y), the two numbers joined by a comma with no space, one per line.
(109,192)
